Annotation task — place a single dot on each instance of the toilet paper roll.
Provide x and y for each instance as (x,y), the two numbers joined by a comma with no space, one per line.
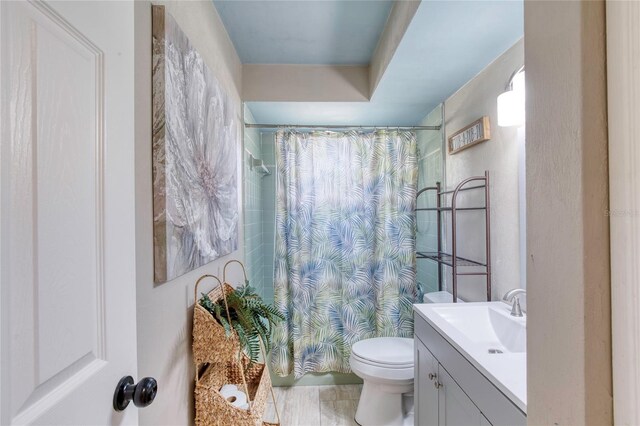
(228,388)
(235,398)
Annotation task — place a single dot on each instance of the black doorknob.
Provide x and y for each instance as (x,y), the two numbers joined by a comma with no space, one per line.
(142,394)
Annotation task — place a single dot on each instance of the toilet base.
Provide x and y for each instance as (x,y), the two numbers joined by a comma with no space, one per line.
(382,405)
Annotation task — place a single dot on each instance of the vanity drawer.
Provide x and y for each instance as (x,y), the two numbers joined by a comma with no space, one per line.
(493,404)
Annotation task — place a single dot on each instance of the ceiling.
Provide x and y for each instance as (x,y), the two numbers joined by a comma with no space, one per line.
(446,44)
(304,32)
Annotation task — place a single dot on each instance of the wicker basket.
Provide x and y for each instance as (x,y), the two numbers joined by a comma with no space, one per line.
(219,360)
(213,409)
(210,342)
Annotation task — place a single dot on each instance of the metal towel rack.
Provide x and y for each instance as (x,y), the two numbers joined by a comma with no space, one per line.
(452,259)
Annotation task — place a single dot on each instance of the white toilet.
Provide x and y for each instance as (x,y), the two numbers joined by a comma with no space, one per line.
(385,364)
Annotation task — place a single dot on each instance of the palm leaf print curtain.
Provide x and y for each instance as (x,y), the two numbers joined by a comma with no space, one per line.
(345,244)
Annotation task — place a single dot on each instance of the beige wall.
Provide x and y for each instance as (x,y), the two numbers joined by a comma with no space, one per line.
(164,314)
(397,23)
(299,83)
(568,330)
(499,155)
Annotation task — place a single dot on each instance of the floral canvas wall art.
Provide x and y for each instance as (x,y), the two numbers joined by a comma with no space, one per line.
(195,136)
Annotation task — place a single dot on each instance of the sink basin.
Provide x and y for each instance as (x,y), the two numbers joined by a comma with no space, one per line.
(489,328)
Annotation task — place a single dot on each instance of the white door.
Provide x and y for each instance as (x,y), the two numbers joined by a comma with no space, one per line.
(67,265)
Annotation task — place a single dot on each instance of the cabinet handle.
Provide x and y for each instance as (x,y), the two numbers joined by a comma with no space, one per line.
(432,376)
(437,384)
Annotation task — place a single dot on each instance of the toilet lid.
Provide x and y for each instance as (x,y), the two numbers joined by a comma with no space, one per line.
(385,350)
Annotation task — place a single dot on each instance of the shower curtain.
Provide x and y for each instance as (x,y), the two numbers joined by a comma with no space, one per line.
(345,244)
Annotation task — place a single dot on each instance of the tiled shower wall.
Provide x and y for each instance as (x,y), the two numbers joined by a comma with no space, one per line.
(430,164)
(260,195)
(253,196)
(268,213)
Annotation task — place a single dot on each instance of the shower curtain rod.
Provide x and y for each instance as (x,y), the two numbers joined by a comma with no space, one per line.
(333,126)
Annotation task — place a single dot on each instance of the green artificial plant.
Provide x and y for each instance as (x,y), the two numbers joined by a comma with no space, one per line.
(251,318)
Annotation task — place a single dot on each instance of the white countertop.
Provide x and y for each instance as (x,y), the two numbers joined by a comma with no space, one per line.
(507,371)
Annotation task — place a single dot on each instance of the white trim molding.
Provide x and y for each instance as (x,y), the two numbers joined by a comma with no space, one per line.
(623,64)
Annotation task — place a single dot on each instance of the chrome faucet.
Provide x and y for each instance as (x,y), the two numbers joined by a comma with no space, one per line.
(512,296)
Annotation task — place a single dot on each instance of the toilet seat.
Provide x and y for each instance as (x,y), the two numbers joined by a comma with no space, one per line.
(382,374)
(387,352)
(381,364)
(384,359)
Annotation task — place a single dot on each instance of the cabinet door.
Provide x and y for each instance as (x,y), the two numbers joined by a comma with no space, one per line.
(425,391)
(455,407)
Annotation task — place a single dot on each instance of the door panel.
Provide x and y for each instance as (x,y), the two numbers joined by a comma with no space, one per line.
(425,392)
(66,280)
(484,421)
(67,266)
(456,409)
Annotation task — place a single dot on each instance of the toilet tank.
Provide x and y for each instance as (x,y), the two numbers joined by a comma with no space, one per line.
(440,297)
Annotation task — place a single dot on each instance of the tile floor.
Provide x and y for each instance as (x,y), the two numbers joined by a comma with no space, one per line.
(316,405)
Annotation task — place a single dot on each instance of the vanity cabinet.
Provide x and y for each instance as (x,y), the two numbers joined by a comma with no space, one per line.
(440,400)
(448,390)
